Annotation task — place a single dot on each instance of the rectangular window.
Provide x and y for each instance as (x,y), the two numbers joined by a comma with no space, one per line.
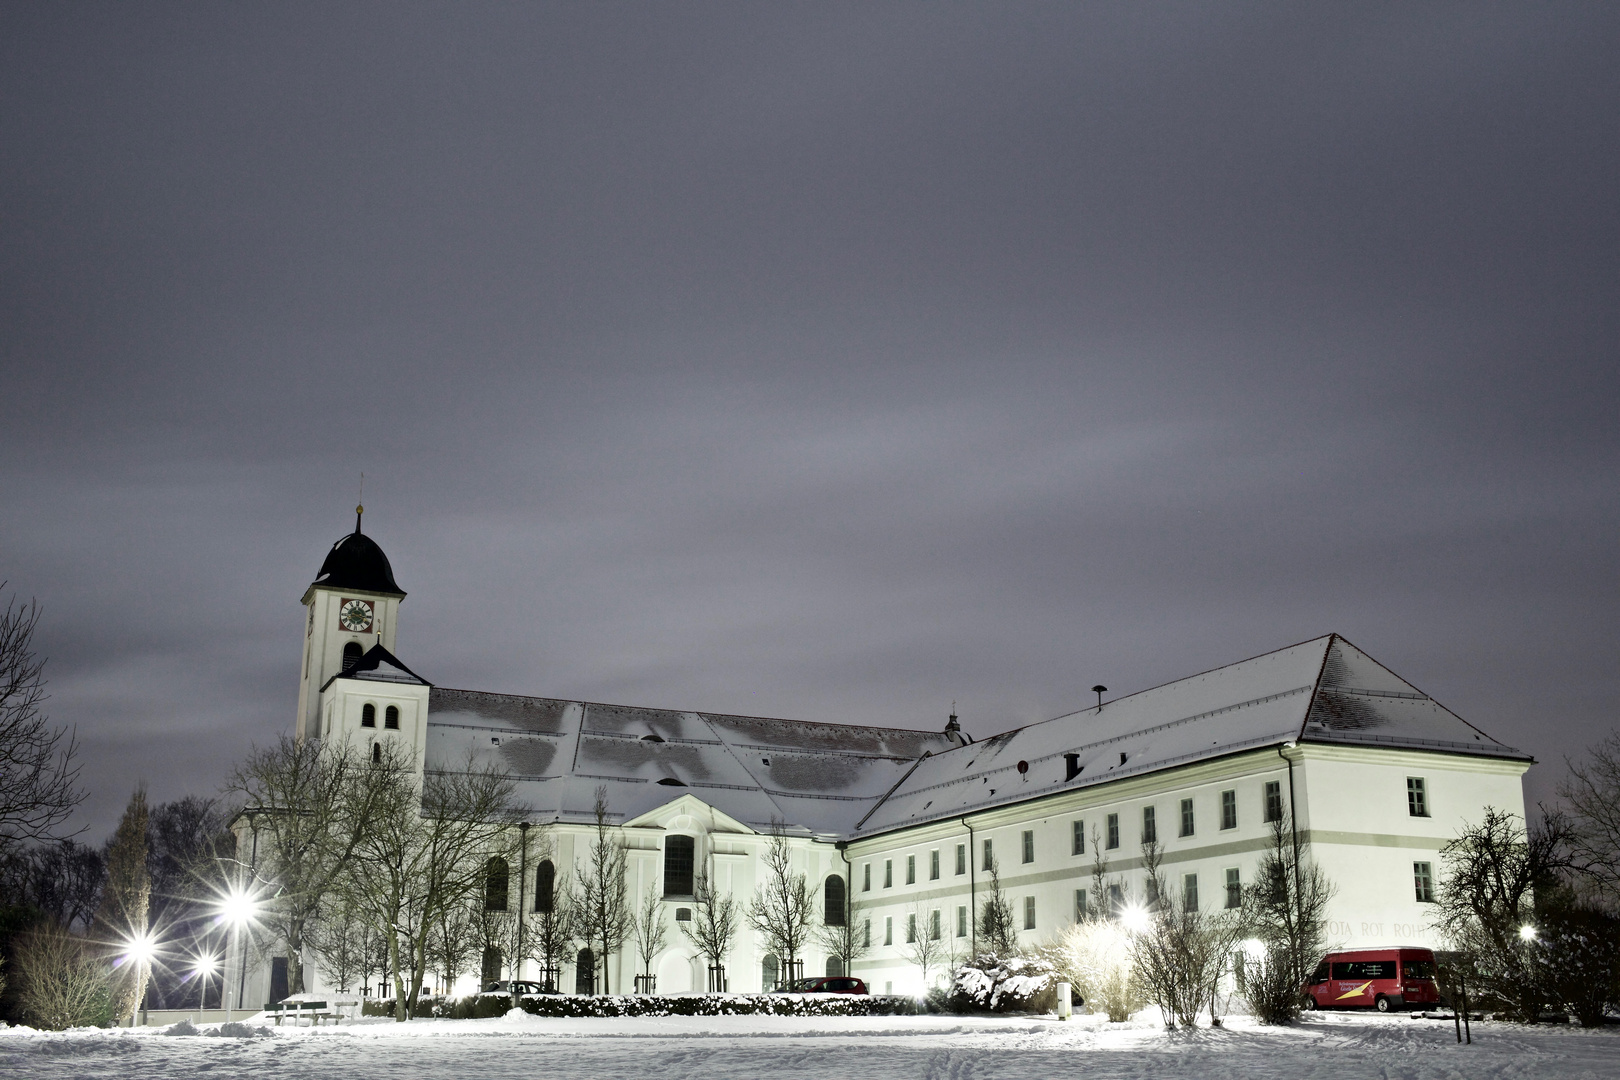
(1228,809)
(1189,892)
(1077,842)
(933,865)
(866,878)
(1186,817)
(1116,901)
(961,858)
(888,929)
(933,925)
(1080,908)
(1029,913)
(911,929)
(1234,889)
(1423,880)
(911,869)
(989,856)
(1273,800)
(961,922)
(888,873)
(1029,845)
(1150,825)
(866,934)
(1113,831)
(1417,798)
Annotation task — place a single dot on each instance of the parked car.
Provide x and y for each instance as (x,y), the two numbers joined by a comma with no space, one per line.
(825,984)
(520,987)
(1382,979)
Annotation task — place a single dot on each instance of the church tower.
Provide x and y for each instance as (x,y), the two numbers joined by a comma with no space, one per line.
(352,606)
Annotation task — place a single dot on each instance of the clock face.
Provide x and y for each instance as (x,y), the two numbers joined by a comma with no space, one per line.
(355,615)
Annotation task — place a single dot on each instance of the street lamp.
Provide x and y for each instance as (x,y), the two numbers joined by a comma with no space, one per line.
(1135,919)
(205,966)
(237,909)
(138,951)
(1527,932)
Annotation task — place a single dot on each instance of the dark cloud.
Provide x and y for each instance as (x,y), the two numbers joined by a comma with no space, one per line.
(825,361)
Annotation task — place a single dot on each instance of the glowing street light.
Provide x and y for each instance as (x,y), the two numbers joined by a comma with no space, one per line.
(1527,932)
(238,908)
(204,968)
(1136,919)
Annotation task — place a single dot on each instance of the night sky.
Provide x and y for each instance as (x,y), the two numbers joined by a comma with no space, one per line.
(835,362)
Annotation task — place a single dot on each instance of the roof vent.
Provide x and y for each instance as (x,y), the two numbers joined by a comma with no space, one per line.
(1099,690)
(1071,766)
(670,781)
(652,738)
(1023,769)
(1122,757)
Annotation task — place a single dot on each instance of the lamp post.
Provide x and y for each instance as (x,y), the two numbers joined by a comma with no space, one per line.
(236,910)
(206,965)
(139,953)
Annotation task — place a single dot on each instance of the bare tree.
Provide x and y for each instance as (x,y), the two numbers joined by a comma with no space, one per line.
(1178,957)
(1285,908)
(121,921)
(714,923)
(39,778)
(1492,874)
(344,947)
(453,939)
(423,850)
(62,879)
(551,932)
(925,942)
(602,907)
(309,807)
(1592,790)
(648,929)
(783,908)
(996,925)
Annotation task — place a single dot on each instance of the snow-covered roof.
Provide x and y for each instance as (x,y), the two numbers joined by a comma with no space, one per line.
(844,781)
(379,665)
(817,778)
(1325,690)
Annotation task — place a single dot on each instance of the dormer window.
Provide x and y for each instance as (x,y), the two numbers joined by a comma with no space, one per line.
(368,715)
(351,656)
(391,717)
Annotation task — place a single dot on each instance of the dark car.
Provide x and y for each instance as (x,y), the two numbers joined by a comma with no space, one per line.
(503,986)
(826,984)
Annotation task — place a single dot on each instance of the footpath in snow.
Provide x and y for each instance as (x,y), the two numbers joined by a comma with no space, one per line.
(1340,1046)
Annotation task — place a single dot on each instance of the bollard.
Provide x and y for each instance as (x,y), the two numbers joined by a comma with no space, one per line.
(1064,1001)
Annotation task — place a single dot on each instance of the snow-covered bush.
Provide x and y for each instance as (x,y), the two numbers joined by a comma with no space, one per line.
(1095,957)
(1267,980)
(62,981)
(1004,984)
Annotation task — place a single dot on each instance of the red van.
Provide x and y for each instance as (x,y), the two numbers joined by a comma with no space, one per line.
(1382,979)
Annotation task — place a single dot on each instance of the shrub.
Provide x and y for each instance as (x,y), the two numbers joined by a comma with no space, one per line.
(63,983)
(1095,956)
(1004,984)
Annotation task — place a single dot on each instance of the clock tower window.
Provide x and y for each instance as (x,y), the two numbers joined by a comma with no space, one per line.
(391,717)
(351,656)
(368,715)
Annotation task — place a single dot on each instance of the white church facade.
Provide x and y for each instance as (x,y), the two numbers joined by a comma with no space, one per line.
(903,824)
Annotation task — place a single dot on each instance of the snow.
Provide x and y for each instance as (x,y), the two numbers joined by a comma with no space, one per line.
(1341,1046)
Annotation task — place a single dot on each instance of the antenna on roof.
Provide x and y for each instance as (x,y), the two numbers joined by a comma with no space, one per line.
(1099,690)
(360,504)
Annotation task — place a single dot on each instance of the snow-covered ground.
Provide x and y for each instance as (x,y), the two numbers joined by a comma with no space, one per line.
(1340,1046)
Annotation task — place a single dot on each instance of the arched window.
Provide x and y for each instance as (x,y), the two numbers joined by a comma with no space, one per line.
(679,855)
(351,656)
(832,901)
(495,884)
(391,717)
(368,715)
(835,967)
(545,885)
(767,974)
(585,972)
(376,753)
